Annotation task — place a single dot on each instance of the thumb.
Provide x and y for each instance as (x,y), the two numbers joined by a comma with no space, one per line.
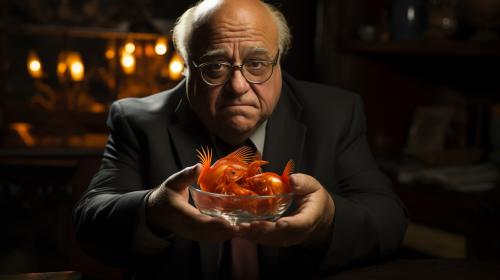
(303,184)
(183,178)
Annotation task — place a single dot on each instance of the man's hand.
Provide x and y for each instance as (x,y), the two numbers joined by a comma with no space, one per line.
(309,226)
(168,208)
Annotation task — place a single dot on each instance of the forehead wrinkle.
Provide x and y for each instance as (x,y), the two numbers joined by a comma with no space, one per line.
(244,42)
(229,29)
(238,34)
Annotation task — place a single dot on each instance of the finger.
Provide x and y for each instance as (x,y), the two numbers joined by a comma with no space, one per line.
(301,222)
(303,184)
(201,227)
(190,223)
(183,178)
(310,196)
(309,213)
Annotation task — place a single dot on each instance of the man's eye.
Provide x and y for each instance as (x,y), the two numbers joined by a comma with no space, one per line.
(215,67)
(255,65)
(215,70)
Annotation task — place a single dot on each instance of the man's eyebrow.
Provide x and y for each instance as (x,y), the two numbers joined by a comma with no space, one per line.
(257,51)
(225,53)
(215,53)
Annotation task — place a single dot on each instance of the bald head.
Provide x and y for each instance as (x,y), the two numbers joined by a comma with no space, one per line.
(207,16)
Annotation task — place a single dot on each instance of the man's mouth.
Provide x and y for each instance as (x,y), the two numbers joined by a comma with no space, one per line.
(235,105)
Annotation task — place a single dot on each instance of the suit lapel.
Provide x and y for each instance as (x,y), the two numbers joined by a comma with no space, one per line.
(285,134)
(187,135)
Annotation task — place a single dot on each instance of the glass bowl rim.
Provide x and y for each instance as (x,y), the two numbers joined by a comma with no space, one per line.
(197,189)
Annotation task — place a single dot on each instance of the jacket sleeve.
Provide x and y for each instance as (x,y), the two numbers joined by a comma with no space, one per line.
(106,216)
(370,221)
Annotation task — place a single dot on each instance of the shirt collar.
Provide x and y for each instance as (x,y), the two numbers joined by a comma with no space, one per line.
(259,136)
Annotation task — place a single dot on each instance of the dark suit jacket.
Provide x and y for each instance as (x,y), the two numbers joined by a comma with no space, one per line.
(321,128)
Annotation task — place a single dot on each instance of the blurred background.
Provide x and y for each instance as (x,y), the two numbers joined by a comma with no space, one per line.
(428,71)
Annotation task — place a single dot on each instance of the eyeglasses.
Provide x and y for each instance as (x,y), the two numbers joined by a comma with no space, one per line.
(254,71)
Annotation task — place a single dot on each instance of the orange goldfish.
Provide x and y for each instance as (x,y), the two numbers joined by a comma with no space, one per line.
(225,171)
(240,173)
(270,183)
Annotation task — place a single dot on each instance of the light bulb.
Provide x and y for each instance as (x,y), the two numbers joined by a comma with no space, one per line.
(129,47)
(75,65)
(128,63)
(176,66)
(161,46)
(34,65)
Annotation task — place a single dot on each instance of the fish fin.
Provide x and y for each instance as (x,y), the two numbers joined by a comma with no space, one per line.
(245,154)
(205,157)
(287,171)
(255,167)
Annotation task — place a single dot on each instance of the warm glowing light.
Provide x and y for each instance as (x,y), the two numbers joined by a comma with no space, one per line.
(77,71)
(161,46)
(110,54)
(34,65)
(61,68)
(110,50)
(76,68)
(129,47)
(128,60)
(176,67)
(70,65)
(128,63)
(23,130)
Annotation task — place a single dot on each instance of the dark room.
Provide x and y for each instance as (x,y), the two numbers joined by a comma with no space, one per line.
(249,139)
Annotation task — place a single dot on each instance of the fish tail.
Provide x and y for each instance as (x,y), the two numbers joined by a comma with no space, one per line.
(287,171)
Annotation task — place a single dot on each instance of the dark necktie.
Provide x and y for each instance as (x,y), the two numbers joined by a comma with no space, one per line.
(244,259)
(244,256)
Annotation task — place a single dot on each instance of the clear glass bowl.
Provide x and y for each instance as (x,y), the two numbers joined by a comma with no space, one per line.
(241,209)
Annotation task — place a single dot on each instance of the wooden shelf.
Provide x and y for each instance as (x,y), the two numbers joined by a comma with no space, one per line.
(429,48)
(29,115)
(77,32)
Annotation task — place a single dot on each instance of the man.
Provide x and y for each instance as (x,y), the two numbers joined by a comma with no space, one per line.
(137,213)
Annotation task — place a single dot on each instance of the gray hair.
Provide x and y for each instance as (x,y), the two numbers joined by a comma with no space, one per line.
(196,16)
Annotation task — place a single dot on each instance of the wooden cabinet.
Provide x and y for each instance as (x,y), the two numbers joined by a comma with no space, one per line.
(358,50)
(397,74)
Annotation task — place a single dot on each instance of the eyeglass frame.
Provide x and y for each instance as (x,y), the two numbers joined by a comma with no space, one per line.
(238,67)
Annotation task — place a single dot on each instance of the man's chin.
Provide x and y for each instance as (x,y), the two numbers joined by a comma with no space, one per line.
(238,128)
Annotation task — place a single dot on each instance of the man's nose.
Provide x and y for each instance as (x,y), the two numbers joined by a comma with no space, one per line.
(237,84)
